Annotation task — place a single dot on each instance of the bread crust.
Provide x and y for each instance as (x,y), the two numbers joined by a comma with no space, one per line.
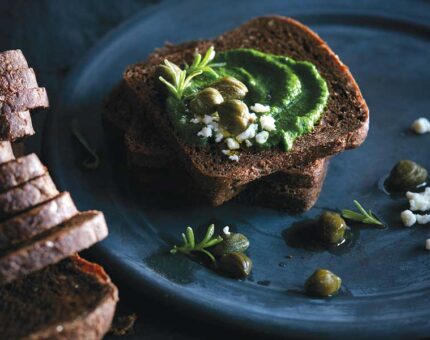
(37,220)
(19,171)
(12,60)
(76,234)
(17,80)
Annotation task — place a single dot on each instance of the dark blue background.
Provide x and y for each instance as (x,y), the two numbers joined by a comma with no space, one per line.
(54,35)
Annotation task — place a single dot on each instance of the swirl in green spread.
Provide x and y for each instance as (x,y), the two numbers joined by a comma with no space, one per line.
(294,90)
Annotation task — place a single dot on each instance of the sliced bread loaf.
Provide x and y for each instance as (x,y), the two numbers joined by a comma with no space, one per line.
(12,60)
(26,196)
(74,235)
(37,220)
(20,170)
(73,299)
(344,124)
(26,99)
(6,152)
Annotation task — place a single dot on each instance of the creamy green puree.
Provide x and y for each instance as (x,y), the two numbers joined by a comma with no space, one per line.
(294,90)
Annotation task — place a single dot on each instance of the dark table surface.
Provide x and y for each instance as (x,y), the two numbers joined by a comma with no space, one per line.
(54,35)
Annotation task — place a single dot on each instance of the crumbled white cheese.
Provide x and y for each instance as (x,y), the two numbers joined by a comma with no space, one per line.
(249,133)
(226,230)
(267,123)
(260,108)
(59,328)
(49,244)
(428,244)
(420,200)
(252,117)
(421,125)
(226,152)
(207,119)
(219,137)
(195,120)
(205,132)
(422,219)
(248,143)
(262,137)
(232,144)
(214,126)
(408,218)
(234,158)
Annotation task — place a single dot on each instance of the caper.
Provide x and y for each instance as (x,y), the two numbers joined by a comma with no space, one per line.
(322,283)
(205,102)
(236,265)
(406,175)
(234,116)
(235,242)
(231,88)
(331,228)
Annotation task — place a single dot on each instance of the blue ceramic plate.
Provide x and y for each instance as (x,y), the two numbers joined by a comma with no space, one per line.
(386,273)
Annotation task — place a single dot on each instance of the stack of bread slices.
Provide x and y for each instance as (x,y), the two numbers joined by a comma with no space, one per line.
(292,181)
(46,290)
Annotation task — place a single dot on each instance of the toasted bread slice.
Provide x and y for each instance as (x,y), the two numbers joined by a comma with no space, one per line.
(19,171)
(26,196)
(26,99)
(73,299)
(74,235)
(6,152)
(344,124)
(17,80)
(37,220)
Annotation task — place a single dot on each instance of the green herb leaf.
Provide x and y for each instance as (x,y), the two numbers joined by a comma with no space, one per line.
(94,161)
(362,216)
(181,79)
(190,245)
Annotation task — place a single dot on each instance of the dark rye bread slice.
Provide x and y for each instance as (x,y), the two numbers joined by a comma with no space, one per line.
(12,60)
(73,299)
(74,235)
(344,124)
(27,195)
(281,196)
(6,152)
(37,220)
(15,126)
(145,147)
(20,170)
(26,99)
(17,80)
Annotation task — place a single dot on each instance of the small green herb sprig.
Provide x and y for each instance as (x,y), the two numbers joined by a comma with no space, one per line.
(181,79)
(362,216)
(190,245)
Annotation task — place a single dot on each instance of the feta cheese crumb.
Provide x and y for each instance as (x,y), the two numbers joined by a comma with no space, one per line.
(420,200)
(422,219)
(226,152)
(195,120)
(49,244)
(205,132)
(234,158)
(219,137)
(428,244)
(207,119)
(214,126)
(260,108)
(408,218)
(249,133)
(248,143)
(59,328)
(232,144)
(226,230)
(252,117)
(421,125)
(262,137)
(267,123)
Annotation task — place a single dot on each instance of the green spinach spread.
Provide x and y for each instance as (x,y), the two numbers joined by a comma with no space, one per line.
(284,99)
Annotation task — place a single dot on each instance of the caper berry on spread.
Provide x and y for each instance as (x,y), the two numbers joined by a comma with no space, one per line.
(236,265)
(406,175)
(331,228)
(323,283)
(287,99)
(232,242)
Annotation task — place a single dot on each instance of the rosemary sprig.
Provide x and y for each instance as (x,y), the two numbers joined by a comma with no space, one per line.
(181,79)
(190,245)
(362,216)
(94,161)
